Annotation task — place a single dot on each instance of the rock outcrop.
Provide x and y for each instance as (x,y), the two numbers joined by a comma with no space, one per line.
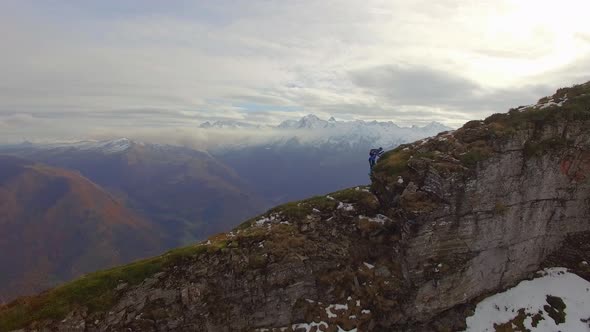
(446,221)
(488,202)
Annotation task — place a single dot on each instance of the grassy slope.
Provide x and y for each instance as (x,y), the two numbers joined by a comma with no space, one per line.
(97,291)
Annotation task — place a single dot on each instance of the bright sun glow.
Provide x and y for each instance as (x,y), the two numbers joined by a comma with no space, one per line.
(545,34)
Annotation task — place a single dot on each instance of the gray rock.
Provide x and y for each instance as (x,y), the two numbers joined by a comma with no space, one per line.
(382,271)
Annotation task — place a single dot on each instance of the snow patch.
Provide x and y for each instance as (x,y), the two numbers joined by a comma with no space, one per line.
(309,326)
(330,313)
(380,219)
(552,102)
(340,306)
(335,307)
(523,108)
(264,220)
(106,147)
(531,296)
(345,206)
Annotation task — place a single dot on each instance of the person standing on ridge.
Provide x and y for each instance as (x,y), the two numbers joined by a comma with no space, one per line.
(374,154)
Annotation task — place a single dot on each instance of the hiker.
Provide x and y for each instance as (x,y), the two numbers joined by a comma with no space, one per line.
(374,154)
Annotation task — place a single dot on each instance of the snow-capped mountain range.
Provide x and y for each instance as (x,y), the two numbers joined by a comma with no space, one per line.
(106,146)
(228,124)
(110,146)
(312,121)
(314,130)
(309,129)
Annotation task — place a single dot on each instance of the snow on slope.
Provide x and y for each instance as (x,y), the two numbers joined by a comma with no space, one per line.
(308,130)
(228,124)
(537,306)
(107,146)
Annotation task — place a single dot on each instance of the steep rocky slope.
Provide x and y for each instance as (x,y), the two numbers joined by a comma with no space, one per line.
(57,225)
(488,202)
(447,221)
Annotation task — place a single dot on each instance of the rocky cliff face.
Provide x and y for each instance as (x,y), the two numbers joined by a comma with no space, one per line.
(486,205)
(445,222)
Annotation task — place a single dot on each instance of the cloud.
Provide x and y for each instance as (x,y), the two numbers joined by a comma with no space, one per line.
(409,85)
(583,36)
(575,72)
(426,87)
(148,65)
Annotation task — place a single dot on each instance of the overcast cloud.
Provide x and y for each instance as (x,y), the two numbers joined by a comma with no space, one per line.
(81,68)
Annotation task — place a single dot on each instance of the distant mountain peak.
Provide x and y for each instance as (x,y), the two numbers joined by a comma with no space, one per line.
(311,117)
(434,124)
(311,121)
(314,122)
(116,145)
(110,146)
(228,124)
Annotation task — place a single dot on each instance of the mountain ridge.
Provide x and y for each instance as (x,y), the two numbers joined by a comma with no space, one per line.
(68,225)
(335,155)
(447,220)
(310,121)
(353,130)
(159,182)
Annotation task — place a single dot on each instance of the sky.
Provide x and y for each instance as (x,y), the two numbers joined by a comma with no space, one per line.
(77,69)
